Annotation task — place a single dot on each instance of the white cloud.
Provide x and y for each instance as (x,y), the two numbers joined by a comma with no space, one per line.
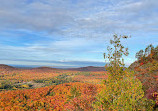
(69,49)
(12,62)
(82,17)
(74,29)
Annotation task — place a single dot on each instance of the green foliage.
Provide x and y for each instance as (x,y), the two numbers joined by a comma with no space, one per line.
(74,93)
(150,53)
(39,80)
(52,93)
(115,57)
(139,54)
(123,95)
(123,91)
(5,85)
(56,80)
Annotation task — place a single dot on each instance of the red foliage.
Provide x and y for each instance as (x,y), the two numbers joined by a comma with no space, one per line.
(49,98)
(141,63)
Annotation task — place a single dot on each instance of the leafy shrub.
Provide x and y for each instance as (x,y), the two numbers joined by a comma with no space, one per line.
(123,90)
(126,95)
(5,85)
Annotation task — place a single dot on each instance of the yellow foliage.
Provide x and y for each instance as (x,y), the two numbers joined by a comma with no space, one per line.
(25,86)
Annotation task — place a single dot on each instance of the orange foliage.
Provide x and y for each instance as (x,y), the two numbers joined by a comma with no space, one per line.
(49,98)
(28,75)
(93,77)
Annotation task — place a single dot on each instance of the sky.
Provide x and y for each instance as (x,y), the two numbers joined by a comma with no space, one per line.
(73,33)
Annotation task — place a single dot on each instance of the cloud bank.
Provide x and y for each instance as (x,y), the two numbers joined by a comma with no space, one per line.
(73,30)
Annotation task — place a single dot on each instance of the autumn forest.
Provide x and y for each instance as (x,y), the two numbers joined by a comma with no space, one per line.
(118,88)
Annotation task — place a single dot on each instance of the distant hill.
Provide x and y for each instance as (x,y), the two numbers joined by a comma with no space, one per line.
(88,68)
(3,66)
(44,68)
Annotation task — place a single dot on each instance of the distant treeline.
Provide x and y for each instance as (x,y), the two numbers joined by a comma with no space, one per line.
(150,53)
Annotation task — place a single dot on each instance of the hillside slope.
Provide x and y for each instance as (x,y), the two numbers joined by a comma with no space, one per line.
(146,70)
(88,68)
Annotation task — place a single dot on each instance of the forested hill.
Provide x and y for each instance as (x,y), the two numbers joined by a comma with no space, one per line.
(88,68)
(146,70)
(145,57)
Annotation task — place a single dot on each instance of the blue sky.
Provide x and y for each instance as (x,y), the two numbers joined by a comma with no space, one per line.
(73,33)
